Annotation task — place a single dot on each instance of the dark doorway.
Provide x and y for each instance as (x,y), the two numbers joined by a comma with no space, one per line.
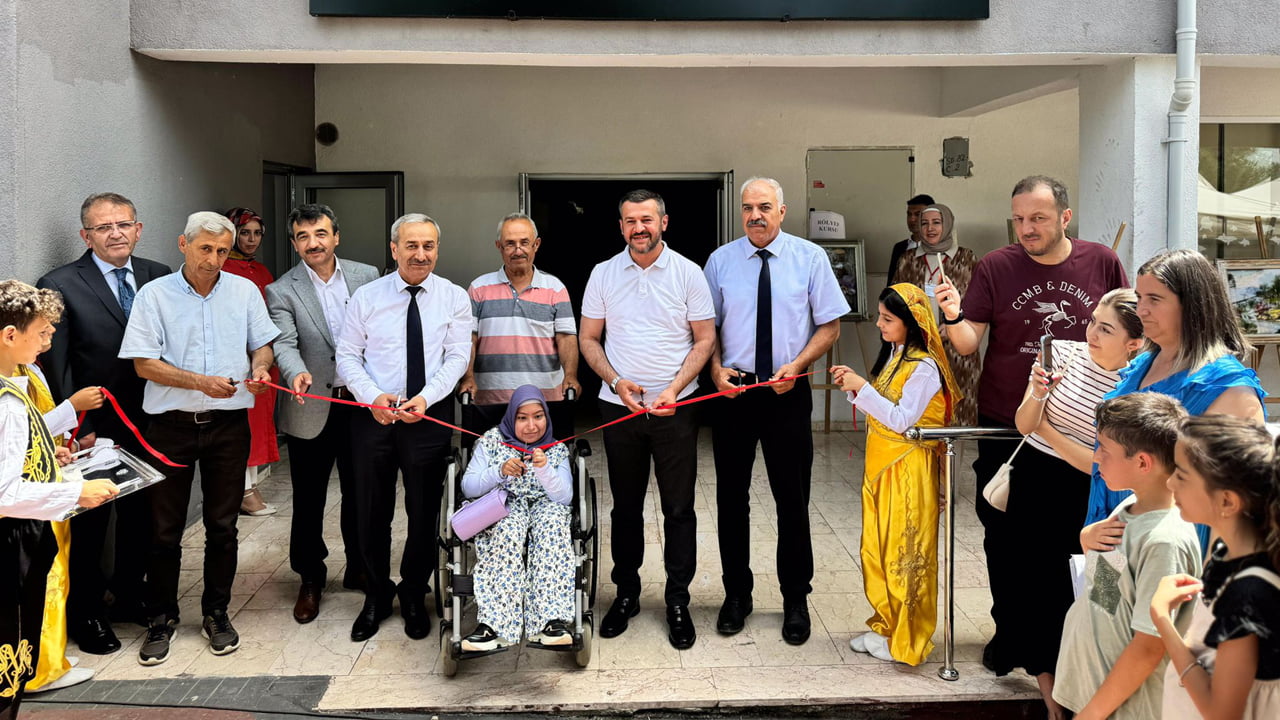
(577,218)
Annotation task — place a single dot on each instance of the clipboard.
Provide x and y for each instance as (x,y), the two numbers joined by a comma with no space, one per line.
(105,461)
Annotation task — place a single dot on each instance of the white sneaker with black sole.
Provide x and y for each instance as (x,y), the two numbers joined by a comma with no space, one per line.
(155,647)
(222,637)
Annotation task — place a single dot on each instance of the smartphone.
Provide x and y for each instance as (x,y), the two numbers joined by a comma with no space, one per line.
(1046,353)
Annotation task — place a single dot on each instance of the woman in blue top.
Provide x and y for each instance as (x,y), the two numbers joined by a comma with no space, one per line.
(1194,346)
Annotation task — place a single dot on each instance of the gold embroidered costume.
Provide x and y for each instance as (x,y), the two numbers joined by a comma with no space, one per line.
(900,501)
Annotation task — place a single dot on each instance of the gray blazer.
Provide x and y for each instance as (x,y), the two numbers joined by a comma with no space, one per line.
(305,343)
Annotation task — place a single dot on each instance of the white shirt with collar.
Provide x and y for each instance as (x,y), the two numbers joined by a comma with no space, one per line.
(334,297)
(647,314)
(371,349)
(108,274)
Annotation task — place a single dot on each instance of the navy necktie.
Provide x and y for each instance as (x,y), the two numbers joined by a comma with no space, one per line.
(416,360)
(125,290)
(764,320)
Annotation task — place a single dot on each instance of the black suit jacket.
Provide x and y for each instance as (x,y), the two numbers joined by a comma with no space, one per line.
(88,338)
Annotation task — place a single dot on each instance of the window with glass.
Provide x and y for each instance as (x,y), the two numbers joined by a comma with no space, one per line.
(1239,196)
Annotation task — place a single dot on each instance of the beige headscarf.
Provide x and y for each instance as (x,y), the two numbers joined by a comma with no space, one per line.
(948,224)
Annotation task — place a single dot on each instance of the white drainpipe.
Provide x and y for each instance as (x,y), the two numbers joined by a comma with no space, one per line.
(1184,93)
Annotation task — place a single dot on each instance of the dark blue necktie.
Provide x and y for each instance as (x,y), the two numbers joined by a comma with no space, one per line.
(416,360)
(764,320)
(125,290)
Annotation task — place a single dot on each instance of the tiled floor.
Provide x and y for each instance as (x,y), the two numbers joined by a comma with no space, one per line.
(637,670)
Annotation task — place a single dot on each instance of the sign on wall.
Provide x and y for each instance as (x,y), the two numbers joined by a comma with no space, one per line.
(775,10)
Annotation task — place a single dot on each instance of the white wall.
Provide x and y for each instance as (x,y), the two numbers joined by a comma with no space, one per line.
(91,115)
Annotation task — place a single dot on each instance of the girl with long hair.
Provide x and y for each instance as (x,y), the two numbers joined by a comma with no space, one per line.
(1226,476)
(912,385)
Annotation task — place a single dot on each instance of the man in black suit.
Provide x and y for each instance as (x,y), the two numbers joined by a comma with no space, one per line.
(915,206)
(98,291)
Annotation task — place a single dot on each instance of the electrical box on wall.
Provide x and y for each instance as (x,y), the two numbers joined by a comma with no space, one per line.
(955,158)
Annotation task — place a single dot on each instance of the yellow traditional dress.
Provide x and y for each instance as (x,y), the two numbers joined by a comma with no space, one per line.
(25,548)
(900,501)
(53,634)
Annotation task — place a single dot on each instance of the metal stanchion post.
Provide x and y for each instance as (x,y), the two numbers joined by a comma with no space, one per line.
(948,670)
(949,436)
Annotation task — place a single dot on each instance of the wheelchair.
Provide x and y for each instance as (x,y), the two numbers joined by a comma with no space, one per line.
(456,558)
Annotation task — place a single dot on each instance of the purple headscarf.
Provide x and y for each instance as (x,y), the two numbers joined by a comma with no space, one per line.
(523,395)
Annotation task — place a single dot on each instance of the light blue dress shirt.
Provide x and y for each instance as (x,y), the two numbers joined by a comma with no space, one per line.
(805,295)
(210,335)
(108,274)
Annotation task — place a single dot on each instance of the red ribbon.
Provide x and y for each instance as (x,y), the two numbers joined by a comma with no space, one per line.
(132,428)
(645,411)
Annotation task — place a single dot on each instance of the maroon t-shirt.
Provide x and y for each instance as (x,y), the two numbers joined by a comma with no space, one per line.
(1020,299)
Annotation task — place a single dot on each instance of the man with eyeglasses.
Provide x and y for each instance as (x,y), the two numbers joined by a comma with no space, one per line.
(98,290)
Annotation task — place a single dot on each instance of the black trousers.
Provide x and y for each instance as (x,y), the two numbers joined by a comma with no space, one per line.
(420,453)
(1048,499)
(221,448)
(311,463)
(27,548)
(479,418)
(999,536)
(780,425)
(129,541)
(672,443)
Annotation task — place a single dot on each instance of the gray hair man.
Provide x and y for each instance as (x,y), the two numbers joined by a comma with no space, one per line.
(525,333)
(404,345)
(201,339)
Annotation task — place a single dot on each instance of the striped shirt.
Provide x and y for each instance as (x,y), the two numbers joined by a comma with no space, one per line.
(1072,405)
(517,335)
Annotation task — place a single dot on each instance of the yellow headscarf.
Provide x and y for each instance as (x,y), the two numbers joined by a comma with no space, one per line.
(918,302)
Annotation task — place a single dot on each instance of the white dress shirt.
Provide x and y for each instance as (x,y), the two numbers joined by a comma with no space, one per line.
(647,314)
(20,499)
(334,297)
(108,274)
(371,351)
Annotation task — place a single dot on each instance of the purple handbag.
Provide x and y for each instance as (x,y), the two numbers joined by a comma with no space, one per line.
(483,512)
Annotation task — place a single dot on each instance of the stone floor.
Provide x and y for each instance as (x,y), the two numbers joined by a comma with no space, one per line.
(638,670)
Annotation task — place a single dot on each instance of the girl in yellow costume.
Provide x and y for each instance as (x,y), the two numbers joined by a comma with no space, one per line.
(29,489)
(913,386)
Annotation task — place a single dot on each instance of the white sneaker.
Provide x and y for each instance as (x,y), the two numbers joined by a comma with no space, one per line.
(858,643)
(74,676)
(878,646)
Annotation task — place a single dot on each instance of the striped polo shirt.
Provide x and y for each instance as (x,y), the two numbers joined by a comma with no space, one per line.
(517,335)
(1071,407)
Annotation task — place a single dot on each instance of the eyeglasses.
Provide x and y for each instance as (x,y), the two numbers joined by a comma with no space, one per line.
(106,228)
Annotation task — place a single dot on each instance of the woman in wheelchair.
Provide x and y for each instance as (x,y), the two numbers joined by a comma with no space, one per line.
(515,590)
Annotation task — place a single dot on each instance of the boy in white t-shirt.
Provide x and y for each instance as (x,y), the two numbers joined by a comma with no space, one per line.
(1111,660)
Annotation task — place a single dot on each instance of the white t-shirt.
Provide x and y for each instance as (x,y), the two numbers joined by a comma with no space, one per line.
(647,314)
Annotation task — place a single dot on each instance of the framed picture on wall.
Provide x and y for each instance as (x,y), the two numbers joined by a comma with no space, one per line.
(1254,289)
(848,262)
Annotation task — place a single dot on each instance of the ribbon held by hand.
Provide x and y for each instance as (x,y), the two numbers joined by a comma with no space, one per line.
(137,434)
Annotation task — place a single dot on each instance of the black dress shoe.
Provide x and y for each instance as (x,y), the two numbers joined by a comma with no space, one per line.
(733,615)
(795,621)
(680,627)
(615,621)
(95,637)
(417,621)
(366,624)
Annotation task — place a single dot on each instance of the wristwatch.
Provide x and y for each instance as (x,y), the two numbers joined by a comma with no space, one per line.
(959,318)
(613,386)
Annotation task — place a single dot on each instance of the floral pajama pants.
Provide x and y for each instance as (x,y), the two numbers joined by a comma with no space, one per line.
(512,588)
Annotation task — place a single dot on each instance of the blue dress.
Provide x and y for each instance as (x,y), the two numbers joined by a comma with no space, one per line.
(1196,392)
